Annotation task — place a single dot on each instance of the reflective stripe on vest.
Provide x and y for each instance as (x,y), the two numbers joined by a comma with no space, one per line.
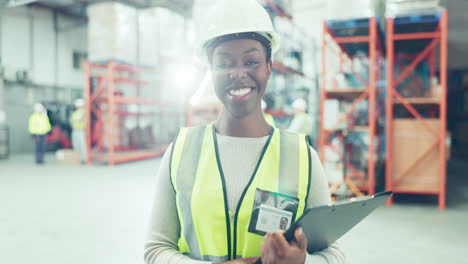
(269,119)
(206,230)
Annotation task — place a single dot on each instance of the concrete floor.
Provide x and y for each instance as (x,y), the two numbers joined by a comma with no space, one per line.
(56,214)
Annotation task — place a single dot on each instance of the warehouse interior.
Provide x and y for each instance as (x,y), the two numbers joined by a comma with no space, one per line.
(133,70)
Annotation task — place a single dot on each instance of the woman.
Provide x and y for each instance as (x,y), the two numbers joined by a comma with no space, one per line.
(209,177)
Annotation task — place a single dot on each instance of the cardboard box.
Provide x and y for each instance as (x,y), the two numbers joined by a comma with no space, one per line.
(68,157)
(410,141)
(112,32)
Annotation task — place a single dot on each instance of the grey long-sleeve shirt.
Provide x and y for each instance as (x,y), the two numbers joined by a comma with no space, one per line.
(238,157)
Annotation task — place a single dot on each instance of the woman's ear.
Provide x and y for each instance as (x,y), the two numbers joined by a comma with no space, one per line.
(269,68)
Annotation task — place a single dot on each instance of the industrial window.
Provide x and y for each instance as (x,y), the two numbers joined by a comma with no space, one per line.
(78,59)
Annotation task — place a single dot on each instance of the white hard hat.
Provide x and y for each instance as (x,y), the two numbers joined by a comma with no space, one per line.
(79,102)
(39,108)
(299,104)
(228,17)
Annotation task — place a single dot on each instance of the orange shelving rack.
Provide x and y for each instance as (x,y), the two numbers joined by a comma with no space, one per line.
(416,145)
(111,87)
(348,40)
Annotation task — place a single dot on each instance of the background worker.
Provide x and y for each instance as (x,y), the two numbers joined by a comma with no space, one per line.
(39,126)
(209,177)
(78,124)
(301,123)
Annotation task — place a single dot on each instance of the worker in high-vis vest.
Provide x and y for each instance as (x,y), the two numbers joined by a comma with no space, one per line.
(225,191)
(78,124)
(301,123)
(268,117)
(39,126)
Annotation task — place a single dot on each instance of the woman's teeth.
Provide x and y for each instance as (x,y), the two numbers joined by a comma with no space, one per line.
(240,92)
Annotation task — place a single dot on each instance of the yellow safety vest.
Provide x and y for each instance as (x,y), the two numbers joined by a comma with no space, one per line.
(39,124)
(78,120)
(208,231)
(269,119)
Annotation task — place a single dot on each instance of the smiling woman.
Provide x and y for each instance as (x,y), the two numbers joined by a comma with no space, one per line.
(240,73)
(208,182)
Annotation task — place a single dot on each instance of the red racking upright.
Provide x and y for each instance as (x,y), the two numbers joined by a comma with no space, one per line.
(419,139)
(110,88)
(345,38)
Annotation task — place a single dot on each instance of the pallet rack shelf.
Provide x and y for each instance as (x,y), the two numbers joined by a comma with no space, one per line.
(110,88)
(350,39)
(424,171)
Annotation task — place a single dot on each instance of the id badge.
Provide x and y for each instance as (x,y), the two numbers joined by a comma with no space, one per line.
(272,212)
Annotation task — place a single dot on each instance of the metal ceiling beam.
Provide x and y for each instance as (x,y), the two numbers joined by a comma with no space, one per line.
(183,7)
(14,3)
(63,11)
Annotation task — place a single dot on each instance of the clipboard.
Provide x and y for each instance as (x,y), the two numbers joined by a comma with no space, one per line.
(323,225)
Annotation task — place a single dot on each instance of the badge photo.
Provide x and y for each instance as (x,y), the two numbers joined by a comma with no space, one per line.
(272,212)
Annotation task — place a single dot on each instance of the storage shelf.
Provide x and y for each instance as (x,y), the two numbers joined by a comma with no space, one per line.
(418,169)
(130,81)
(284,69)
(353,36)
(412,31)
(347,94)
(430,190)
(420,100)
(106,111)
(360,128)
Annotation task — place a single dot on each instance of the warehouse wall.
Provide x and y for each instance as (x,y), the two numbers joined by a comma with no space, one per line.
(458,33)
(29,42)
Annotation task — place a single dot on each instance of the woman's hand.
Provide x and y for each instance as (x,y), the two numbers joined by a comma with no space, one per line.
(276,250)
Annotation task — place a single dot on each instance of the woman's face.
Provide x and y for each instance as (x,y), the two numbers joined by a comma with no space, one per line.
(240,74)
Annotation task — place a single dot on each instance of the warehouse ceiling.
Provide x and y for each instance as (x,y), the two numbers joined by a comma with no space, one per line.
(78,7)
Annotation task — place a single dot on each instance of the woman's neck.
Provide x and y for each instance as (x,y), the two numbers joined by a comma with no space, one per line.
(253,125)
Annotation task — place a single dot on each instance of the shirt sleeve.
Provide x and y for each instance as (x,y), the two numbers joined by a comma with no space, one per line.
(164,228)
(320,195)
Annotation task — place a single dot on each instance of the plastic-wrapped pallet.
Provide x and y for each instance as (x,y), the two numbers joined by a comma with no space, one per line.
(147,37)
(404,7)
(170,32)
(345,9)
(112,32)
(161,33)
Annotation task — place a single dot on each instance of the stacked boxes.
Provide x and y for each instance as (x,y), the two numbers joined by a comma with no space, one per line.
(404,7)
(112,32)
(119,32)
(343,9)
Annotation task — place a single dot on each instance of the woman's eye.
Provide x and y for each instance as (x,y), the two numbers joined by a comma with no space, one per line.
(252,63)
(223,66)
